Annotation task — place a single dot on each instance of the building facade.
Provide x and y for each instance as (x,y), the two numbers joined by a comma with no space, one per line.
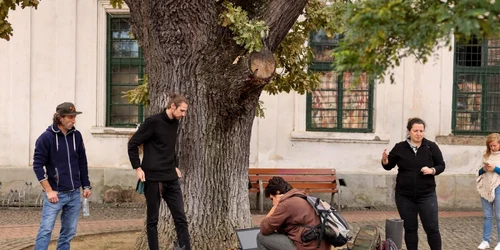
(82,51)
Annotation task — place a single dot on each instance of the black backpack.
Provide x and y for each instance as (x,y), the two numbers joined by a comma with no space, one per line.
(332,228)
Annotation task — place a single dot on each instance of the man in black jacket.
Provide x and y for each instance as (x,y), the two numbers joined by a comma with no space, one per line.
(159,170)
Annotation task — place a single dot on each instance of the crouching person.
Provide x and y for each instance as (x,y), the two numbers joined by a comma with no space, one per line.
(283,226)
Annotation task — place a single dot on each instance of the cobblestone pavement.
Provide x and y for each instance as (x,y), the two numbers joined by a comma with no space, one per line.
(457,233)
(18,226)
(460,230)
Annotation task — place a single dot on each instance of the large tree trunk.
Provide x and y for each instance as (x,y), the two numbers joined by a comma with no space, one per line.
(187,52)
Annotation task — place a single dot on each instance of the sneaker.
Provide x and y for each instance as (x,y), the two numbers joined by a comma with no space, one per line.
(485,245)
(498,246)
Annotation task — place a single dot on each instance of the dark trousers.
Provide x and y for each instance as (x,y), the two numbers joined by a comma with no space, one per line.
(274,241)
(426,206)
(171,192)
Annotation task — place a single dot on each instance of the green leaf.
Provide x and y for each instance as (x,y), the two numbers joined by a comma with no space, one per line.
(117,3)
(247,33)
(5,27)
(139,95)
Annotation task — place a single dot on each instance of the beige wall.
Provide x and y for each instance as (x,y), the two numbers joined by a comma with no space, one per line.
(57,54)
(280,140)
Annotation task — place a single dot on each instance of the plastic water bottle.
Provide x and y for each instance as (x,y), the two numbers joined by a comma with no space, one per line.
(85,207)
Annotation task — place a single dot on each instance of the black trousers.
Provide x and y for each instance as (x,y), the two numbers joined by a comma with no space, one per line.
(426,206)
(171,192)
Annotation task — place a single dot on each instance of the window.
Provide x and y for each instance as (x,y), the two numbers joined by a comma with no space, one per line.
(124,71)
(340,103)
(476,88)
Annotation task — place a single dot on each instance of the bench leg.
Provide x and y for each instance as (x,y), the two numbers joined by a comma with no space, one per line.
(261,197)
(340,207)
(332,199)
(338,200)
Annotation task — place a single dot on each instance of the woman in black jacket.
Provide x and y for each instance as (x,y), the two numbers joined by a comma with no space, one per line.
(418,160)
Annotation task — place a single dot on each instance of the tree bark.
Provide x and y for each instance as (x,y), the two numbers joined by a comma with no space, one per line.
(187,52)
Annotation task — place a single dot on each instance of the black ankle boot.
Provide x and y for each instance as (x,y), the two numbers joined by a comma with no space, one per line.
(177,247)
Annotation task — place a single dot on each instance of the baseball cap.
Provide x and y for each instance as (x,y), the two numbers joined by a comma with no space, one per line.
(67,108)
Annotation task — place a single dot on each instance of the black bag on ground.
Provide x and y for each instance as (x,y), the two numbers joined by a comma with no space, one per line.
(333,228)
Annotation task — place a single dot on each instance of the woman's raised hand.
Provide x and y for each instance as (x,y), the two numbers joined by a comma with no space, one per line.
(385,157)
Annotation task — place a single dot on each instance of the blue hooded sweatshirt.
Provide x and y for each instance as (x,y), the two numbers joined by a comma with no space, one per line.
(63,157)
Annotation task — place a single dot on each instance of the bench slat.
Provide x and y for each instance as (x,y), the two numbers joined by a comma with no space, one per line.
(299,185)
(295,178)
(311,180)
(321,190)
(299,171)
(256,190)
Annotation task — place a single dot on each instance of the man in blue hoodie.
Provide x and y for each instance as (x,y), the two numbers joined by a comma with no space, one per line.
(61,151)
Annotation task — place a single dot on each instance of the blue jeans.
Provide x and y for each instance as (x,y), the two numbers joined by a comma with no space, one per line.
(69,203)
(488,215)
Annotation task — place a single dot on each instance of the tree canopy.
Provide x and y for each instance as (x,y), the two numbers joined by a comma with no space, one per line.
(5,6)
(377,34)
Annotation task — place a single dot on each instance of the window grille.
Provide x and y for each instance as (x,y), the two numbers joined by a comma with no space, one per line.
(476,88)
(125,69)
(340,103)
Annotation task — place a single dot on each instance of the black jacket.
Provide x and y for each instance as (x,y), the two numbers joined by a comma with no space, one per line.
(410,181)
(158,135)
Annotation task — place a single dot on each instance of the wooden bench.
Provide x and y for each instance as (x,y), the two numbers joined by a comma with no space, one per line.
(311,180)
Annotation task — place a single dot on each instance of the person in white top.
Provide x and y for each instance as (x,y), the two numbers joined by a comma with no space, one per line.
(488,182)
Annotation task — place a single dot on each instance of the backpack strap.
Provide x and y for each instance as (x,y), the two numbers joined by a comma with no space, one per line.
(299,195)
(322,222)
(322,218)
(390,245)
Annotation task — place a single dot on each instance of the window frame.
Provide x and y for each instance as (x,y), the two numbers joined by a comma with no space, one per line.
(482,73)
(110,62)
(324,66)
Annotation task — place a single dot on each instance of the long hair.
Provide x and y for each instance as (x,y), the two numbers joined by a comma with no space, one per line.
(55,118)
(491,138)
(277,184)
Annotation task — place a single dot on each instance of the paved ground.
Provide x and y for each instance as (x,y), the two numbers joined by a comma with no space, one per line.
(18,226)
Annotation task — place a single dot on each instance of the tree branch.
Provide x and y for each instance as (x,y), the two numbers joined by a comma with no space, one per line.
(254,8)
(136,22)
(280,16)
(262,64)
